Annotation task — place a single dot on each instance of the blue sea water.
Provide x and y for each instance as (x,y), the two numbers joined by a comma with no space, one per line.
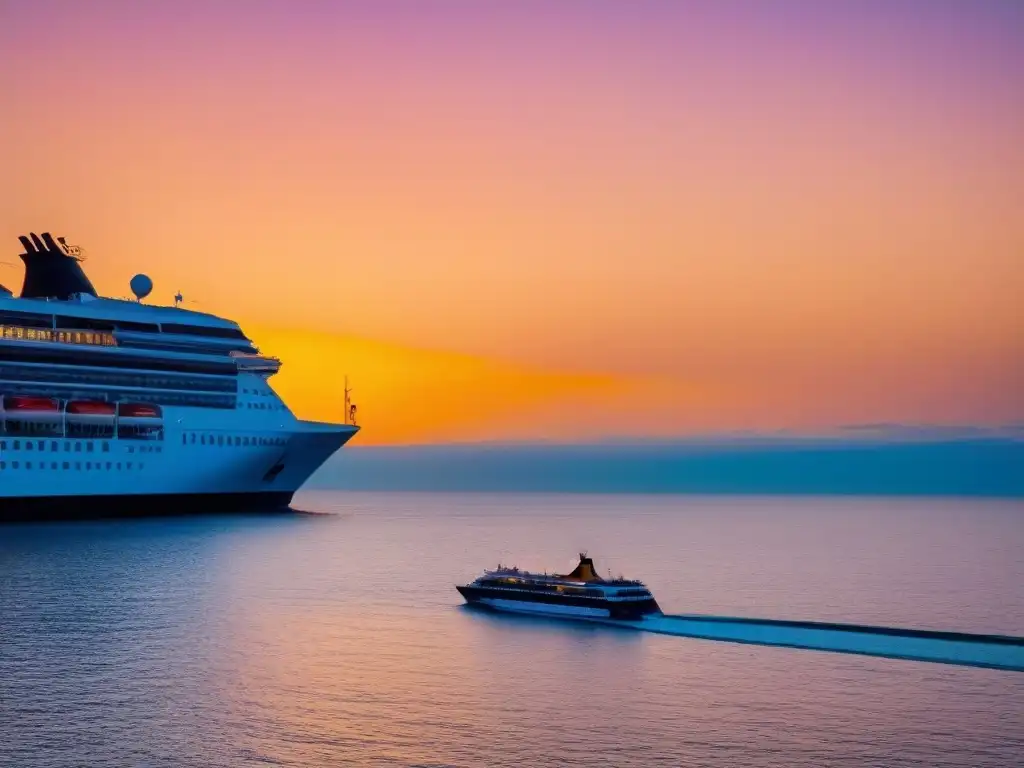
(337,638)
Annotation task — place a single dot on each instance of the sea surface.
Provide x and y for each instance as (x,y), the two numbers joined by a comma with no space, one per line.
(336,638)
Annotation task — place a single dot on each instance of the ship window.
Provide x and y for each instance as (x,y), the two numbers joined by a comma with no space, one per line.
(202,330)
(3,445)
(108,465)
(106,447)
(28,445)
(128,465)
(26,319)
(78,447)
(3,465)
(83,323)
(88,465)
(226,369)
(54,446)
(14,465)
(220,439)
(88,447)
(126,325)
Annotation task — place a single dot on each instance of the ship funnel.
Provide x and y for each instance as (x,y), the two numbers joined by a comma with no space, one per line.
(48,241)
(50,273)
(585,571)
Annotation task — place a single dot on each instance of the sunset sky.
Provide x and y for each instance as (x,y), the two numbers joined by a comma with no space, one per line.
(550,220)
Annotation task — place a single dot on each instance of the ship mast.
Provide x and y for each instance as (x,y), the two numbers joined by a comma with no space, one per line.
(350,409)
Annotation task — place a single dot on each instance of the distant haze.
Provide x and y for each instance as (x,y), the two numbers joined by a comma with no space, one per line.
(989,465)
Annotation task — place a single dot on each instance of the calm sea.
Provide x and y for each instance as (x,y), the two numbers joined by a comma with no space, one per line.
(338,638)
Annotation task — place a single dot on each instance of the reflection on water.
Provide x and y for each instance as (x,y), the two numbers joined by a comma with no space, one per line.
(338,639)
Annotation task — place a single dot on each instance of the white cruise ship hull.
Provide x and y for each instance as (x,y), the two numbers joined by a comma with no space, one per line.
(118,478)
(207,461)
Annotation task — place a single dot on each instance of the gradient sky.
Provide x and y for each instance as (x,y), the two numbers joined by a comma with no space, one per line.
(550,220)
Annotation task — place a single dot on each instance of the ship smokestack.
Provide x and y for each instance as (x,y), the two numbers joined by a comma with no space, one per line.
(50,273)
(50,244)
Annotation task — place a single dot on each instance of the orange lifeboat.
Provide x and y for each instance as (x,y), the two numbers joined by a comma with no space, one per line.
(33,404)
(139,411)
(90,408)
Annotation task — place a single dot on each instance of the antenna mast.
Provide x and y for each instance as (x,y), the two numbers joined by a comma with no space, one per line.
(350,410)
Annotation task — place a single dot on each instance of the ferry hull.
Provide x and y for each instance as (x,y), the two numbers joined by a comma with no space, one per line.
(556,605)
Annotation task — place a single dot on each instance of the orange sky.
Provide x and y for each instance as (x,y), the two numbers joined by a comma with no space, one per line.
(543,222)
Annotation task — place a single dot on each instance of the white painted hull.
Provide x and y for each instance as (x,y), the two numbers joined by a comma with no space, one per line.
(544,609)
(203,451)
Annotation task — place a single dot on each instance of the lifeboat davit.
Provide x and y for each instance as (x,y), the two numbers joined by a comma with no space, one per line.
(90,408)
(24,404)
(139,411)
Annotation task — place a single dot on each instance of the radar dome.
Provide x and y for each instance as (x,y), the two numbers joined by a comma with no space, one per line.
(141,286)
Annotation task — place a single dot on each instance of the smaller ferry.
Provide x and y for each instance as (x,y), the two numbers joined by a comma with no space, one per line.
(580,594)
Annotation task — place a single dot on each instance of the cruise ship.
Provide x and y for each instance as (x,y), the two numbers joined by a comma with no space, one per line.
(580,594)
(112,407)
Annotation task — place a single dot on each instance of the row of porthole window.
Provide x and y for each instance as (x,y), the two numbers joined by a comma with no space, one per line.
(264,406)
(230,440)
(89,465)
(52,445)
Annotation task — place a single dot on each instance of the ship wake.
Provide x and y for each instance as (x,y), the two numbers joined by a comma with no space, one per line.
(976,650)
